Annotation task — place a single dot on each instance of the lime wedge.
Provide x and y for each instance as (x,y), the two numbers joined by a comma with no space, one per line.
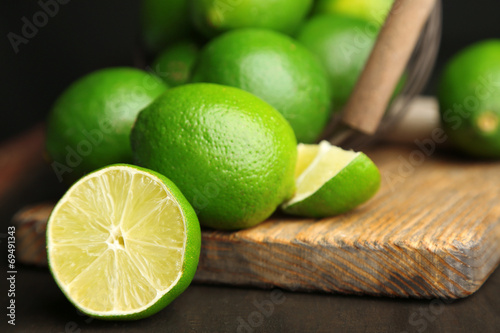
(331,181)
(123,243)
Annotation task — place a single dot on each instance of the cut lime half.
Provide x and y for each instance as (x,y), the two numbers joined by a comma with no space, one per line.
(331,181)
(123,243)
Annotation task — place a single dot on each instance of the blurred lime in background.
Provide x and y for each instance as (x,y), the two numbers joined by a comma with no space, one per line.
(89,124)
(164,22)
(175,64)
(275,68)
(469,96)
(374,11)
(212,17)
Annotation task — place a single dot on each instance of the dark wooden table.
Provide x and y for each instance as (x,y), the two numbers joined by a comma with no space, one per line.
(25,178)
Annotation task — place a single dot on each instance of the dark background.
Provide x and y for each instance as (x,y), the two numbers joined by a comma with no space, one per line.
(87,35)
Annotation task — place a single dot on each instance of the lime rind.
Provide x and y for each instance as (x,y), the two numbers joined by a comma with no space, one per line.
(231,154)
(330,164)
(190,249)
(89,124)
(355,183)
(469,100)
(487,123)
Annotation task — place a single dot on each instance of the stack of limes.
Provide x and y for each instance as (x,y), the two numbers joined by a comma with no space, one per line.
(303,57)
(220,146)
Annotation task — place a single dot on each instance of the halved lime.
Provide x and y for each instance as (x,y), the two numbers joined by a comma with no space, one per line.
(331,181)
(123,243)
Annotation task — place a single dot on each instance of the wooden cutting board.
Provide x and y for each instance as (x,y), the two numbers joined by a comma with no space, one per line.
(433,230)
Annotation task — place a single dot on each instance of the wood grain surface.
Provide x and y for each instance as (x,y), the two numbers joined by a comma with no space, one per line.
(432,231)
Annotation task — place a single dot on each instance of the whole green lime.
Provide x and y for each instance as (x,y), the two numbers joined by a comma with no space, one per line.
(469,97)
(175,64)
(374,11)
(213,17)
(89,124)
(231,154)
(164,22)
(343,45)
(275,68)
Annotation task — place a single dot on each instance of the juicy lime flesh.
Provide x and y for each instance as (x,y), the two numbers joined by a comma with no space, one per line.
(306,154)
(116,242)
(328,162)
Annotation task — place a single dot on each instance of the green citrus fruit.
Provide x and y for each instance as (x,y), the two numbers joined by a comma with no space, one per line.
(123,243)
(175,64)
(331,181)
(212,17)
(164,22)
(89,125)
(469,96)
(275,68)
(231,154)
(343,46)
(370,10)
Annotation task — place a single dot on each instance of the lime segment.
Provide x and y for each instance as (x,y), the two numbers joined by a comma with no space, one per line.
(331,181)
(328,161)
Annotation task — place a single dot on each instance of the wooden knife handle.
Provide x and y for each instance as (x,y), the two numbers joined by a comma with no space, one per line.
(386,64)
